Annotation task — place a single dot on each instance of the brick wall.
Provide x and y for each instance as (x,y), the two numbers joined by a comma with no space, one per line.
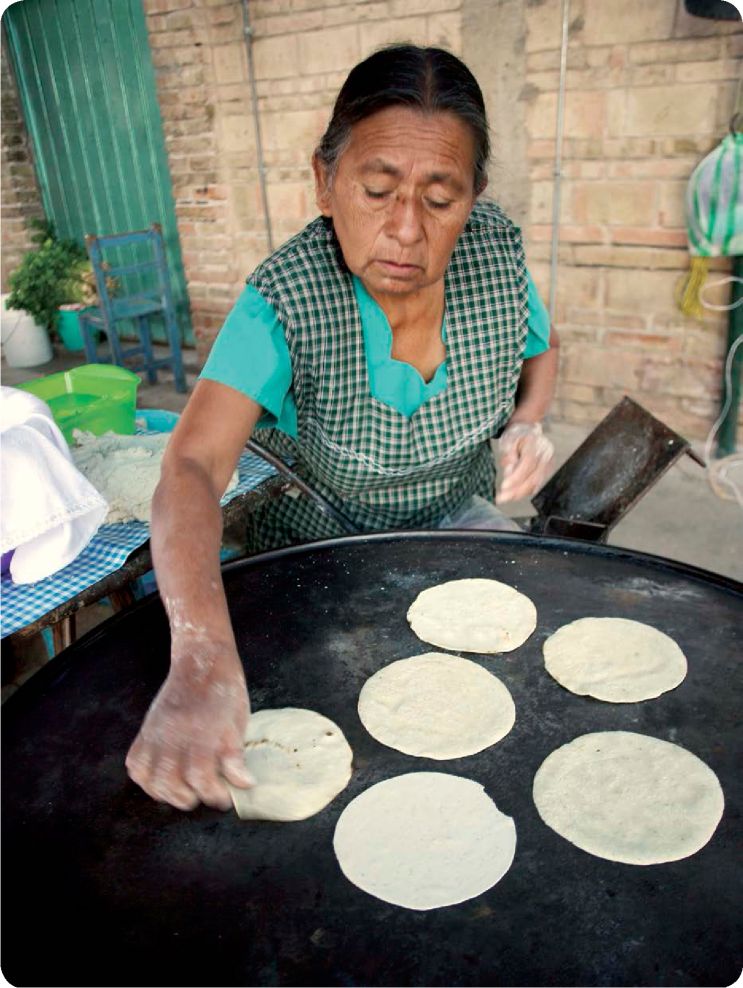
(302,52)
(20,193)
(200,76)
(650,91)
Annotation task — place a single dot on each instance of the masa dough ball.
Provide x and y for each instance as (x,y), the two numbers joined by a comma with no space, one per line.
(125,470)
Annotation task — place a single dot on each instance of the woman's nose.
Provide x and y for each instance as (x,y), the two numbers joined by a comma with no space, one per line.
(405,222)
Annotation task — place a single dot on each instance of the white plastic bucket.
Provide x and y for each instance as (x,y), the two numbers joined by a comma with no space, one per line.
(24,342)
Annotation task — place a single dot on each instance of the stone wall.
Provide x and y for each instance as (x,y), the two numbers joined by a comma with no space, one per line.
(21,198)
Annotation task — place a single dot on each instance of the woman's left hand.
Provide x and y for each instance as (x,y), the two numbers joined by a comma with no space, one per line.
(526,457)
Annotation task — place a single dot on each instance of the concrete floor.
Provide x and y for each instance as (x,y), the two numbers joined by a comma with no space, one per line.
(680,517)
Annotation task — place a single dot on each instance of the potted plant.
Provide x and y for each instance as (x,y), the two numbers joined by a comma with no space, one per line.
(39,283)
(25,342)
(53,283)
(25,336)
(79,291)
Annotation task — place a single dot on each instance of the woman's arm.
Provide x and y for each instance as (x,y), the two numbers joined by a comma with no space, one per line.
(537,383)
(525,454)
(192,737)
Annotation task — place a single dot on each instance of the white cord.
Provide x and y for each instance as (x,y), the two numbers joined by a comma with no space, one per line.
(718,470)
(728,279)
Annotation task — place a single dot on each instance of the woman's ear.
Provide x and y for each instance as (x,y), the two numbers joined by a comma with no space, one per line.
(322,185)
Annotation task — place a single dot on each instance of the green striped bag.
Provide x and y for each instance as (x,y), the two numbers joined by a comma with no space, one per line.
(714,215)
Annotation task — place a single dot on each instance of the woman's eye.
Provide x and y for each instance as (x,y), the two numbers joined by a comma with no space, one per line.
(439,203)
(375,194)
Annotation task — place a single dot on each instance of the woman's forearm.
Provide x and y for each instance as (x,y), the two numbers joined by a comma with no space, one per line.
(525,453)
(186,539)
(537,384)
(191,742)
(186,514)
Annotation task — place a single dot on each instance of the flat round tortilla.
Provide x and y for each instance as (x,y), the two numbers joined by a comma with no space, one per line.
(300,761)
(473,616)
(629,797)
(614,659)
(436,706)
(424,840)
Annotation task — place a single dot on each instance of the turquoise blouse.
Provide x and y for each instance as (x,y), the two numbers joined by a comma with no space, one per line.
(251,355)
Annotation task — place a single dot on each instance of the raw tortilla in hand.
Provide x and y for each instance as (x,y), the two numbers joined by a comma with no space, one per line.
(436,706)
(629,797)
(473,616)
(424,840)
(300,761)
(614,659)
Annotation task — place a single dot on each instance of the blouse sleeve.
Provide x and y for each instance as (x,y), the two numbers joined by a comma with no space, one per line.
(538,325)
(251,355)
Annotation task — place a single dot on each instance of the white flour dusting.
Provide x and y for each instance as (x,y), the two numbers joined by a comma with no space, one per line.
(125,470)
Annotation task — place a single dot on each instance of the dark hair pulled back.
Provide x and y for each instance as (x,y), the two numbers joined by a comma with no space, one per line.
(427,79)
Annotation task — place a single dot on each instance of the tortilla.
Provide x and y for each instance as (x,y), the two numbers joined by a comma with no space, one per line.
(629,797)
(473,616)
(300,761)
(424,840)
(436,706)
(614,659)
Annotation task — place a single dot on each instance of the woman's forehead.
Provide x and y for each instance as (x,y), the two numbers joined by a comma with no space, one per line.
(392,140)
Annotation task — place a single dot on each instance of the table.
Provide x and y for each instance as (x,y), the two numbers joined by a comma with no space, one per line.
(257,480)
(104,886)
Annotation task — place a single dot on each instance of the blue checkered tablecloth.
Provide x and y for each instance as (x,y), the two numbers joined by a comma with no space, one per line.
(20,604)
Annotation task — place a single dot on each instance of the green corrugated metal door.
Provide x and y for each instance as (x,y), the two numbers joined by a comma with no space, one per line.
(87,86)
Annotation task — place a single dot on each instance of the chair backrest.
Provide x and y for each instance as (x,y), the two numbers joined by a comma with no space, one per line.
(132,275)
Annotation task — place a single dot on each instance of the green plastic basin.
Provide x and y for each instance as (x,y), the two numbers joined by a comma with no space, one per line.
(97,398)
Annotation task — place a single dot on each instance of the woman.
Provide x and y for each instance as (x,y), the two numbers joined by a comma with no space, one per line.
(382,348)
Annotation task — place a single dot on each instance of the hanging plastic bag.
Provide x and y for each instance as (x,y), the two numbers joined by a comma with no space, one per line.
(714,215)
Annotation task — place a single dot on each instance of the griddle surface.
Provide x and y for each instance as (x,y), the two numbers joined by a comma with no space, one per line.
(105,887)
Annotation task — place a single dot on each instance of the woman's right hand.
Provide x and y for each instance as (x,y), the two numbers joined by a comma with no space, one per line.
(192,740)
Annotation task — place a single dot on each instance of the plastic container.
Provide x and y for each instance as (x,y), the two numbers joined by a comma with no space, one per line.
(25,343)
(68,327)
(156,419)
(97,398)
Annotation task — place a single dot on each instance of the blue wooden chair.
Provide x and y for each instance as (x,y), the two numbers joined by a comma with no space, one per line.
(136,307)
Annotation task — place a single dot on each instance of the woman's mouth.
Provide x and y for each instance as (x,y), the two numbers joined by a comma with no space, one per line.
(396,268)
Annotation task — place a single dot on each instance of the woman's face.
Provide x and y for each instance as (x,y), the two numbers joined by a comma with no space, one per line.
(400,197)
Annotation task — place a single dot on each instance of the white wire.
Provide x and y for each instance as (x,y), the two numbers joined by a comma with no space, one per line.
(728,279)
(718,472)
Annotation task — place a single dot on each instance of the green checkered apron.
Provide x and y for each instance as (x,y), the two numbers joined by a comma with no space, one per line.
(380,468)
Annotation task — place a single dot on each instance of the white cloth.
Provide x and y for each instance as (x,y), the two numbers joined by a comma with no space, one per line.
(50,512)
